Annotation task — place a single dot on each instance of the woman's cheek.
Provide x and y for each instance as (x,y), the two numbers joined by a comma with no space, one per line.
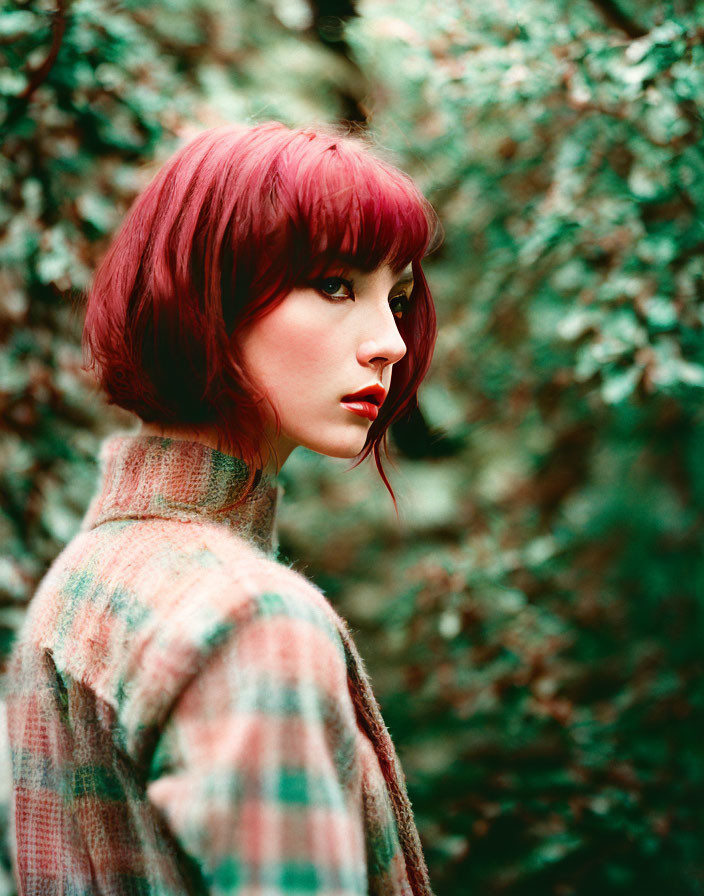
(295,350)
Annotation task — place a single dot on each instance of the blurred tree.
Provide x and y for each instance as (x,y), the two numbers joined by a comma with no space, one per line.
(548,615)
(533,626)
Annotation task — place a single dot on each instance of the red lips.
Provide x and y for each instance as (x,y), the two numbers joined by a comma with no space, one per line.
(366,402)
(374,394)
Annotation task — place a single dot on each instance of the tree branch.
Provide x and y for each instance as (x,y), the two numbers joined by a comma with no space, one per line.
(40,74)
(613,14)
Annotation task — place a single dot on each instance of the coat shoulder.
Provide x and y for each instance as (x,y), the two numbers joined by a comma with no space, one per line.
(132,610)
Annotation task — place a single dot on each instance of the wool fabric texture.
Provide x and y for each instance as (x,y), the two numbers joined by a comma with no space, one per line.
(189,715)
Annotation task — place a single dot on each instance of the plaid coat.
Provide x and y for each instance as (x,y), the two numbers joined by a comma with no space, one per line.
(188,715)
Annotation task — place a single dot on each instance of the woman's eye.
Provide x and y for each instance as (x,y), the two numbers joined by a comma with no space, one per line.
(336,287)
(399,305)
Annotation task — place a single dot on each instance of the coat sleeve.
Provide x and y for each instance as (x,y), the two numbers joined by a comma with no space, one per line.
(257,772)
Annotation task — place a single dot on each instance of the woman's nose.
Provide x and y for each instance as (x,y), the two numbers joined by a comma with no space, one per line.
(385,345)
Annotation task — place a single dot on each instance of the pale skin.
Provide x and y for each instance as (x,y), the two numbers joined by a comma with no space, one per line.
(322,342)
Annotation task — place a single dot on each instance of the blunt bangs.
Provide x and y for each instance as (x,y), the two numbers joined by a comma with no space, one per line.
(353,208)
(230,224)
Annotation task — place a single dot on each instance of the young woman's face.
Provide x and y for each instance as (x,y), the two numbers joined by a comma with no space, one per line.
(320,349)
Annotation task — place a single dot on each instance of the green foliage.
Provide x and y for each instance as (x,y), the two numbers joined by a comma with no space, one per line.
(546,628)
(533,623)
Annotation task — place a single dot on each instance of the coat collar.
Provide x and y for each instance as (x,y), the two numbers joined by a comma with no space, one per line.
(145,477)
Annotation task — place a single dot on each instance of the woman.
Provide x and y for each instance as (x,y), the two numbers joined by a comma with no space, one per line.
(187,714)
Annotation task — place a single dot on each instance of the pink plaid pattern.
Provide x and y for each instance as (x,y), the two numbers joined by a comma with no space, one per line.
(188,715)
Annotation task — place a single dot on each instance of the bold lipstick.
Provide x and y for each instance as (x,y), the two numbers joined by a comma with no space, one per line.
(366,402)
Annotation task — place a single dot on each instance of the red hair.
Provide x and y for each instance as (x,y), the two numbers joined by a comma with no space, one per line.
(230,224)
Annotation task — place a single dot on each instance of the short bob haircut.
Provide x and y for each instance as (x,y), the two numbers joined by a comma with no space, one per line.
(230,224)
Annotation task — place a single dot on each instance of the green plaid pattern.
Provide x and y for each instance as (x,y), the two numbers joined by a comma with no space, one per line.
(188,715)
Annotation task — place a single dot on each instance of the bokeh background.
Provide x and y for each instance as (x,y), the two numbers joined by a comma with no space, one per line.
(533,622)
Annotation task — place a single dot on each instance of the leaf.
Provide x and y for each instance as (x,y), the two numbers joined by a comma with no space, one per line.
(618,386)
